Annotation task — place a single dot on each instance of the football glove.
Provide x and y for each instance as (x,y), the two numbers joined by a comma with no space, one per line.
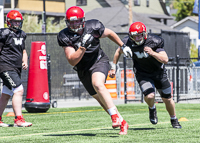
(126,50)
(87,40)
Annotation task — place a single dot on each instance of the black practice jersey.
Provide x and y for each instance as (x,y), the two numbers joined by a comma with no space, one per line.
(12,45)
(68,38)
(144,63)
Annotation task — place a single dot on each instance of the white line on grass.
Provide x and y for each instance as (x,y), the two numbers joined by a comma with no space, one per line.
(82,130)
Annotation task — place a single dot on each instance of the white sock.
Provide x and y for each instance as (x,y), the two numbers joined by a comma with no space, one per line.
(112,111)
(153,107)
(121,118)
(173,117)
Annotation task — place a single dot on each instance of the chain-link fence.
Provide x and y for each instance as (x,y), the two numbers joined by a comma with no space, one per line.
(64,82)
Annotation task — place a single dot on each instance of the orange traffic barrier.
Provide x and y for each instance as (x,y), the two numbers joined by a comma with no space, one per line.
(129,84)
(111,85)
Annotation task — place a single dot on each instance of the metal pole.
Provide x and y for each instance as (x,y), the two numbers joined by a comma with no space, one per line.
(125,91)
(49,74)
(130,12)
(177,77)
(44,18)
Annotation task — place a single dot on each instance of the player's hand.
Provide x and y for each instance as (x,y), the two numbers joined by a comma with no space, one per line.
(24,66)
(112,73)
(126,50)
(149,51)
(87,40)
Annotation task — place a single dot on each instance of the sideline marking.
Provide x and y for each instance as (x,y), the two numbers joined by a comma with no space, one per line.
(83,130)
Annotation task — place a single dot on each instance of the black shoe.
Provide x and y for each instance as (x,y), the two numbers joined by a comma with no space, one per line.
(153,116)
(175,123)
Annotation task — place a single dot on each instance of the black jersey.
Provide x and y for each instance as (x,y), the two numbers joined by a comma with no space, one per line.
(68,38)
(12,45)
(144,63)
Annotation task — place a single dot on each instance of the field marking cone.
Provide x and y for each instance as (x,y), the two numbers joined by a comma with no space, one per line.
(11,114)
(183,119)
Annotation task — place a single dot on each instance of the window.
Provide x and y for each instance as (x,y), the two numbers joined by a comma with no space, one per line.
(7,4)
(147,1)
(136,2)
(81,2)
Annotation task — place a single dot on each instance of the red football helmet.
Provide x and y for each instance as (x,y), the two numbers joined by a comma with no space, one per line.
(137,32)
(75,18)
(14,20)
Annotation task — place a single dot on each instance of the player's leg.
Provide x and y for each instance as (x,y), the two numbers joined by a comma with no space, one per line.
(164,88)
(13,87)
(3,103)
(148,89)
(19,121)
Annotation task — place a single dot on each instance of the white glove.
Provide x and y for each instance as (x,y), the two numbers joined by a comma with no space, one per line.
(126,50)
(87,40)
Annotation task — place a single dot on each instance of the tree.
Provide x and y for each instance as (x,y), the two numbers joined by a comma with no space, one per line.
(32,25)
(184,8)
(193,52)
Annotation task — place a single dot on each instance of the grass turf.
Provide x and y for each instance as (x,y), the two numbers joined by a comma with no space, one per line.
(93,125)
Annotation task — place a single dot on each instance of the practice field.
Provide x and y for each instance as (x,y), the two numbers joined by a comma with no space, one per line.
(93,125)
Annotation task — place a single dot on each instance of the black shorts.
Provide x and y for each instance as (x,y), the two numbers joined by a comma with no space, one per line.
(86,76)
(11,79)
(148,84)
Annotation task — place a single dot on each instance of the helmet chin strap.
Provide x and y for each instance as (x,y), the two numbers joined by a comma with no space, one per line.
(140,42)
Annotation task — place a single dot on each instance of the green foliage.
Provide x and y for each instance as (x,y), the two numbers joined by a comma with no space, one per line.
(32,25)
(193,52)
(184,8)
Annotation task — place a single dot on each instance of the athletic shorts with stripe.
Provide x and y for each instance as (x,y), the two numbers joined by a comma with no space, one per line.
(160,82)
(11,79)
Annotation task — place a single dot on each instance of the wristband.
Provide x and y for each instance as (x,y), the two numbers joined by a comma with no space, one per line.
(113,66)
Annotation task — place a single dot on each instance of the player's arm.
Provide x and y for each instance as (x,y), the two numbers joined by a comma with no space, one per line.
(73,56)
(115,38)
(112,36)
(160,56)
(117,55)
(25,60)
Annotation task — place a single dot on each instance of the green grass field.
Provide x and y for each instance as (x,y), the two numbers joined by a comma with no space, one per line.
(93,125)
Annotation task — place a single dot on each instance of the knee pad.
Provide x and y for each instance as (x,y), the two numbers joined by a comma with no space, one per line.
(166,93)
(147,88)
(6,90)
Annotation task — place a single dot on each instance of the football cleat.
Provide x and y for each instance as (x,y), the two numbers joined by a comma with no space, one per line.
(123,128)
(153,116)
(115,121)
(20,122)
(175,123)
(2,124)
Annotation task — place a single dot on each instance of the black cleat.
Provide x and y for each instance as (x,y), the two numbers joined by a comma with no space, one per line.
(153,116)
(175,123)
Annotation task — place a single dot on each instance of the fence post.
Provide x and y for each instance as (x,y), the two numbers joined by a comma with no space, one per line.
(49,74)
(177,77)
(125,92)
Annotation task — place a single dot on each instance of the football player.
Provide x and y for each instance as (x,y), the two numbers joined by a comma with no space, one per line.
(13,58)
(149,59)
(81,44)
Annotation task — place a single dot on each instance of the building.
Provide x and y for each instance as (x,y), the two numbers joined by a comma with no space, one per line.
(153,13)
(189,25)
